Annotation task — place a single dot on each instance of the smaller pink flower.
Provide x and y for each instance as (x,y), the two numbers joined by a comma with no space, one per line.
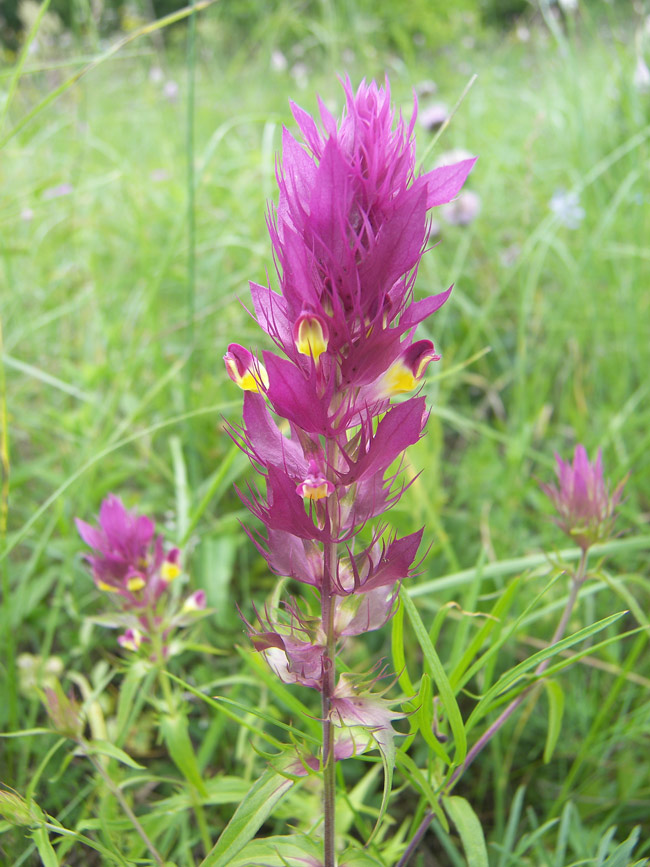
(583,500)
(314,486)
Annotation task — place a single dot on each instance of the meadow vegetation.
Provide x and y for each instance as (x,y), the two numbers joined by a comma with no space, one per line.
(132,218)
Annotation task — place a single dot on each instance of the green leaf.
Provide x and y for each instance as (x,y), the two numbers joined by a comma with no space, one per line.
(279,690)
(470,830)
(253,811)
(180,485)
(45,848)
(226,712)
(278,852)
(174,730)
(353,857)
(447,697)
(425,719)
(106,748)
(495,621)
(514,674)
(385,741)
(133,693)
(219,790)
(555,710)
(217,558)
(420,783)
(399,659)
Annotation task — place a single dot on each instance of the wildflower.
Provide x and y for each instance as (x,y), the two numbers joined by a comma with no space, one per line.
(128,560)
(583,500)
(348,234)
(567,208)
(131,564)
(131,640)
(315,486)
(407,371)
(195,602)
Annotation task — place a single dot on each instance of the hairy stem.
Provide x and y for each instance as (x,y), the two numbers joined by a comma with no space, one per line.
(329,673)
(577,581)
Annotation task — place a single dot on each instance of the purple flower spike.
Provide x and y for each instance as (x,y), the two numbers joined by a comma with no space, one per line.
(130,563)
(583,500)
(348,233)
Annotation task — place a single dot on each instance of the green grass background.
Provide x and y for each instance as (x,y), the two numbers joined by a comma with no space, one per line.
(115,318)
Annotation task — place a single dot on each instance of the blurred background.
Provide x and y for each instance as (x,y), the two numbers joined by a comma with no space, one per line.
(137,169)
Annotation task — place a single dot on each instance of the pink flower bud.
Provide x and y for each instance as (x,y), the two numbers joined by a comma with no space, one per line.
(244,369)
(583,500)
(407,372)
(131,640)
(195,602)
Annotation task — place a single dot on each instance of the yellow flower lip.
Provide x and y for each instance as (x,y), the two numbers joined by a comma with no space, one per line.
(311,335)
(169,571)
(136,583)
(316,492)
(407,371)
(315,486)
(244,369)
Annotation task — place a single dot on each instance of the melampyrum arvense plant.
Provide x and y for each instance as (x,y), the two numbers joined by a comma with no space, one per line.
(348,234)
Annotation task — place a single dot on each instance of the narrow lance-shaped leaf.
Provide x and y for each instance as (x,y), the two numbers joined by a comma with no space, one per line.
(555,695)
(446,693)
(470,830)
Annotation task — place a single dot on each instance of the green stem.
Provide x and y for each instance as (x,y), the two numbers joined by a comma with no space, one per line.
(329,676)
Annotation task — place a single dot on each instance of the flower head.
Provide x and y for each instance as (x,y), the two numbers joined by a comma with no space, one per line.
(582,498)
(132,564)
(128,559)
(348,233)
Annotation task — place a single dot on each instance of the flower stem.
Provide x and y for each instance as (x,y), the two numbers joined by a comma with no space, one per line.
(329,674)
(577,581)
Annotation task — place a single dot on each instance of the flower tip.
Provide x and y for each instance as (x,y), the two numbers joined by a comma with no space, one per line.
(408,371)
(169,571)
(131,640)
(244,369)
(195,602)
